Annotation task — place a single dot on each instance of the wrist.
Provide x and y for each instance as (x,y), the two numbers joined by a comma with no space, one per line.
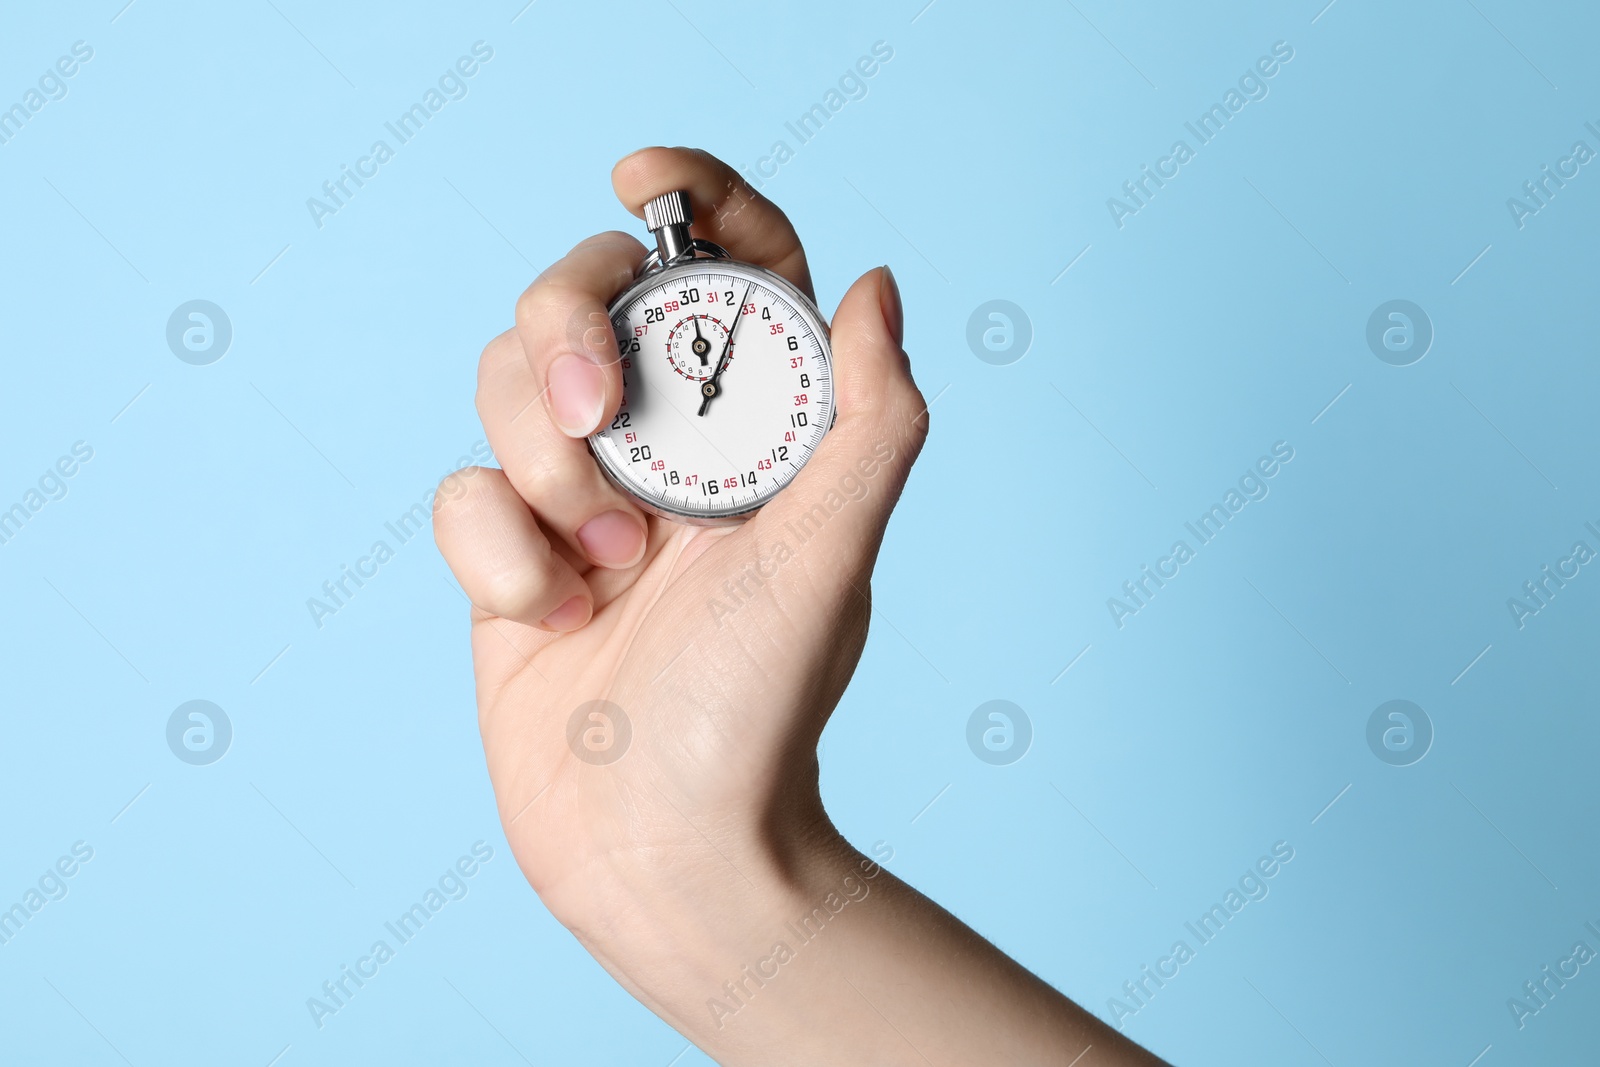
(710,877)
(696,931)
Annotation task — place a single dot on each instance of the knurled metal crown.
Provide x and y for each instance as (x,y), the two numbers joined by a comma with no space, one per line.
(668,209)
(668,218)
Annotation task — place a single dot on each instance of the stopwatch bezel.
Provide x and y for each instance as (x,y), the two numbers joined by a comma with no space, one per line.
(649,279)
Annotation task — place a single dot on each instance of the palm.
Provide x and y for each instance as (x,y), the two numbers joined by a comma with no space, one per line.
(579,781)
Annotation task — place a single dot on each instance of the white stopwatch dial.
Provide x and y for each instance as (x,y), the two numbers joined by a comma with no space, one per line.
(726,380)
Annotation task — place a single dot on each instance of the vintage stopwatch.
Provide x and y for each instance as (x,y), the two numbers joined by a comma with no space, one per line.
(727,379)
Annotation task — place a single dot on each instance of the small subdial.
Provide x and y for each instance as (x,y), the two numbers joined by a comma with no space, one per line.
(695,344)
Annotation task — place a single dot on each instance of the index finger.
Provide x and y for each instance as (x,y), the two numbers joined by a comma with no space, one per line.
(727,210)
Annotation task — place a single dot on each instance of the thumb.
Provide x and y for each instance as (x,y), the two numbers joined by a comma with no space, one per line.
(832,516)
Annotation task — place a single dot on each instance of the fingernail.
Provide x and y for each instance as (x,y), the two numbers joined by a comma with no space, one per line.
(577,395)
(569,616)
(893,312)
(613,539)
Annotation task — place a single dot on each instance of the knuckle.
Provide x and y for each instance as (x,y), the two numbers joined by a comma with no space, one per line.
(457,487)
(897,412)
(503,372)
(543,472)
(914,415)
(514,592)
(532,301)
(594,332)
(915,405)
(496,355)
(611,240)
(552,295)
(561,314)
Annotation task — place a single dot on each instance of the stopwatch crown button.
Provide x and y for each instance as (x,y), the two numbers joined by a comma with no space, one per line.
(668,209)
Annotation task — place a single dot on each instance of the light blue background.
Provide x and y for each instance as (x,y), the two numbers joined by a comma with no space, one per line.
(1223,317)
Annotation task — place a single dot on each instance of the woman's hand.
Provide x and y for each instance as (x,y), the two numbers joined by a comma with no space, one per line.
(724,661)
(651,695)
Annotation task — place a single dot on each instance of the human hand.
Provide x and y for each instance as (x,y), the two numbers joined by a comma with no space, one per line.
(579,597)
(692,848)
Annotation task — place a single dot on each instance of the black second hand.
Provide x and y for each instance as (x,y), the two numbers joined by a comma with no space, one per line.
(710,388)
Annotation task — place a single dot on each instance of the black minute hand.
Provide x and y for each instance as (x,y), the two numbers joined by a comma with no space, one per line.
(713,384)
